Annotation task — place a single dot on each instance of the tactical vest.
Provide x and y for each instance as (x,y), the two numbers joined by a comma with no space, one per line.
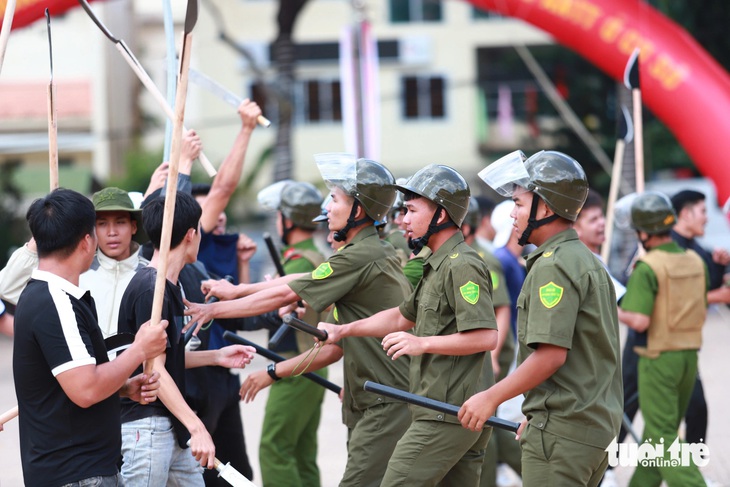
(304,340)
(680,305)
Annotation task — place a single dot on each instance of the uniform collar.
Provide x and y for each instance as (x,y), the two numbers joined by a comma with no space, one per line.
(550,245)
(130,263)
(435,259)
(368,231)
(58,282)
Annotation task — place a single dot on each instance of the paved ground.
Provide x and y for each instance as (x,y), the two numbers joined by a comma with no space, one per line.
(332,435)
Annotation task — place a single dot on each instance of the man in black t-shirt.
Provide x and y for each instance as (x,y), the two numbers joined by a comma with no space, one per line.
(64,381)
(157,436)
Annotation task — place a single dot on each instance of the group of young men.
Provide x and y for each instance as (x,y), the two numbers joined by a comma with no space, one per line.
(433,336)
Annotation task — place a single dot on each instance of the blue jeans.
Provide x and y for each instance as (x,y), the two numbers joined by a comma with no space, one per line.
(152,456)
(106,481)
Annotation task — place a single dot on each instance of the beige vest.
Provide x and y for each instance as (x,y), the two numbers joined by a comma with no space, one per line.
(680,305)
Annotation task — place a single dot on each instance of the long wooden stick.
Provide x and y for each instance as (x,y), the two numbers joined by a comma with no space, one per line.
(7,27)
(638,140)
(171,193)
(624,136)
(52,118)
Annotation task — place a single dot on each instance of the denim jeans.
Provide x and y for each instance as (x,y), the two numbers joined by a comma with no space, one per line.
(107,481)
(152,456)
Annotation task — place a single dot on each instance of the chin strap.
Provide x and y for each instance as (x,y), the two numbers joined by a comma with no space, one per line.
(417,244)
(532,223)
(341,235)
(284,231)
(643,242)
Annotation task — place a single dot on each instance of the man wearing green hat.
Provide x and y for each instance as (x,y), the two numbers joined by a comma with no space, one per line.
(119,233)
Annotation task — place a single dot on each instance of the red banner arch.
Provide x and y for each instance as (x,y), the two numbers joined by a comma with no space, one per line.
(680,82)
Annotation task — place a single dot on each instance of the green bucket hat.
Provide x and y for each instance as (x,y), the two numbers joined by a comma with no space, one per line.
(115,199)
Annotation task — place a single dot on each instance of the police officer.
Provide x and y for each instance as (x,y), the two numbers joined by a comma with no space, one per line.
(361,278)
(665,304)
(502,446)
(288,448)
(567,329)
(453,324)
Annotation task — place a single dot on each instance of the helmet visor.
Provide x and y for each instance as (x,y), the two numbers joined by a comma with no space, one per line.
(338,169)
(506,173)
(622,211)
(269,198)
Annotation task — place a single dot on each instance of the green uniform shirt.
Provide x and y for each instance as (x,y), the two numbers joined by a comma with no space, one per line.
(302,257)
(568,300)
(642,288)
(414,269)
(361,279)
(454,295)
(500,295)
(398,240)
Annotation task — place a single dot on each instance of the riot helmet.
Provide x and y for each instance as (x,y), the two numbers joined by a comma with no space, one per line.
(370,183)
(298,202)
(555,177)
(447,189)
(652,212)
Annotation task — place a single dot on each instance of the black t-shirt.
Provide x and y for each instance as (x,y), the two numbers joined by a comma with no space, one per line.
(57,330)
(716,271)
(135,310)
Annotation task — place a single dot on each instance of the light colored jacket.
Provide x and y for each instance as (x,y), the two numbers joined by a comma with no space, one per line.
(107,279)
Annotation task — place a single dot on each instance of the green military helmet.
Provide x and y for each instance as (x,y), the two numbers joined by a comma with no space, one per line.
(444,186)
(300,203)
(473,215)
(559,180)
(652,212)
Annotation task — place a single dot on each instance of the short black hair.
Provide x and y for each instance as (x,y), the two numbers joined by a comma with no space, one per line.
(59,221)
(486,205)
(187,216)
(685,198)
(200,189)
(593,200)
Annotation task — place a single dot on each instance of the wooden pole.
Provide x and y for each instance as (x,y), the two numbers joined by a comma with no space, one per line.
(632,81)
(7,27)
(176,146)
(624,136)
(52,119)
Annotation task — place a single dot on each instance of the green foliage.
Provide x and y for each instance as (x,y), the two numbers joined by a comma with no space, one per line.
(139,166)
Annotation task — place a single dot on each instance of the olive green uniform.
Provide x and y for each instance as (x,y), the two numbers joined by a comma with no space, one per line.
(502,446)
(666,378)
(453,296)
(361,279)
(288,449)
(568,300)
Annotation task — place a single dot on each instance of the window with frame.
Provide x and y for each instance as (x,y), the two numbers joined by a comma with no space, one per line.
(415,10)
(318,101)
(424,97)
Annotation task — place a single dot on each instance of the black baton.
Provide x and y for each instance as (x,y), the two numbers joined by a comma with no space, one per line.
(281,332)
(433,404)
(300,325)
(275,357)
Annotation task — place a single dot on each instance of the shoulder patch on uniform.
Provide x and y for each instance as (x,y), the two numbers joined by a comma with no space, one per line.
(495,280)
(324,270)
(470,292)
(549,253)
(335,315)
(454,256)
(550,294)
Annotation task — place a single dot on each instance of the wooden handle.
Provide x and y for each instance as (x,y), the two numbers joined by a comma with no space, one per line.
(52,138)
(618,162)
(263,121)
(638,141)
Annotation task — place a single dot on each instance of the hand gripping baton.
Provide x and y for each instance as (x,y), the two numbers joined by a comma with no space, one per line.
(264,352)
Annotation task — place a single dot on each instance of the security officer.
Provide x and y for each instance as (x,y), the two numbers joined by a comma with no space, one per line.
(502,447)
(567,329)
(412,264)
(361,279)
(453,321)
(288,448)
(665,304)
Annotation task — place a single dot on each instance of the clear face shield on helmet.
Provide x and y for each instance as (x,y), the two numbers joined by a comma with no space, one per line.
(622,211)
(269,198)
(338,170)
(507,173)
(323,214)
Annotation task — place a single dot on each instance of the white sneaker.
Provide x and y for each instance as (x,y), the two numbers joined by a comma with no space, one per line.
(609,479)
(506,477)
